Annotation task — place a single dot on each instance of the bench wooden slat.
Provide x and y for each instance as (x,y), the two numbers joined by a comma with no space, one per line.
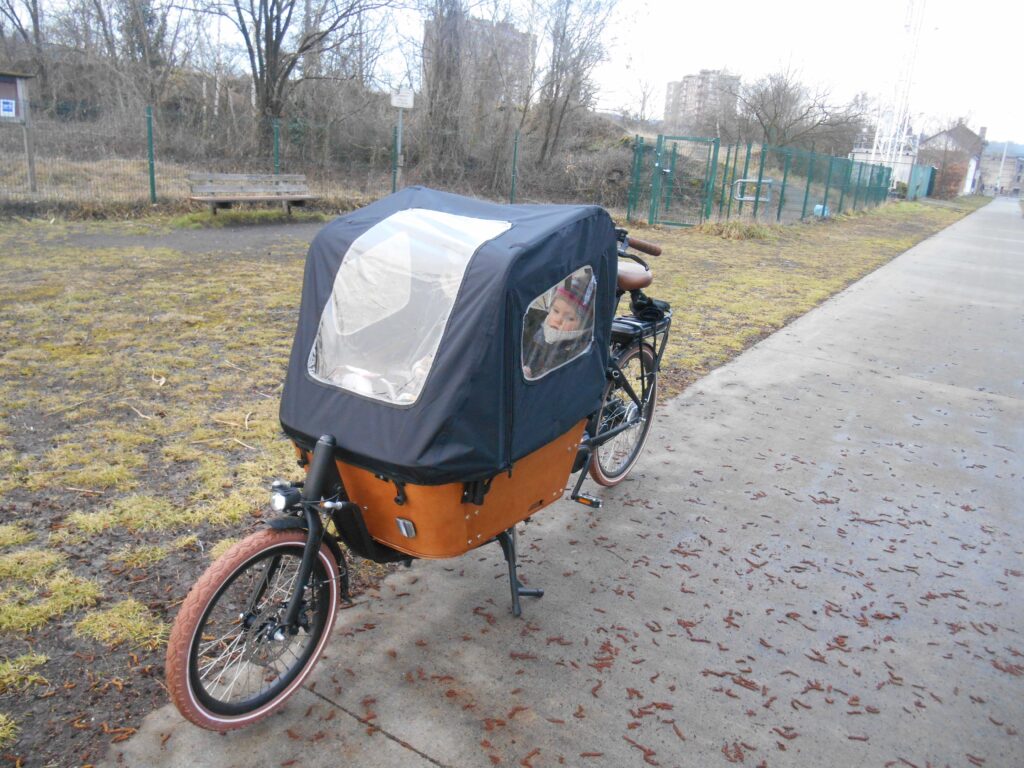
(220,190)
(252,198)
(254,189)
(267,182)
(241,177)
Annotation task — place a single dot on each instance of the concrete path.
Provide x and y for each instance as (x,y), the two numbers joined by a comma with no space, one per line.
(818,562)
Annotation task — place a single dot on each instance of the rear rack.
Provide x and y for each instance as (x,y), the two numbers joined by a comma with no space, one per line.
(628,329)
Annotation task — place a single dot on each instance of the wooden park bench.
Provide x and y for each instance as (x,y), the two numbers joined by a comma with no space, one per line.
(220,190)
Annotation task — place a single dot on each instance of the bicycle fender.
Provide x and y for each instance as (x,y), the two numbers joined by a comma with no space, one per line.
(288,522)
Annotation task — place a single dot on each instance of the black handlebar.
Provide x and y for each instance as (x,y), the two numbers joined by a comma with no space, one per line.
(626,242)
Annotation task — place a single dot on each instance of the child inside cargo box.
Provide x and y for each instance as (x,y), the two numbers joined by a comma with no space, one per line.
(564,331)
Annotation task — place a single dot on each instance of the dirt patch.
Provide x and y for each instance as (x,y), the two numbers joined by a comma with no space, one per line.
(139,380)
(209,240)
(159,233)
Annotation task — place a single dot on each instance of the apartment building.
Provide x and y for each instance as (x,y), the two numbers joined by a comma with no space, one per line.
(709,93)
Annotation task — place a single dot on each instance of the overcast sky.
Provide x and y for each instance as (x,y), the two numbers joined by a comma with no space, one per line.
(970,61)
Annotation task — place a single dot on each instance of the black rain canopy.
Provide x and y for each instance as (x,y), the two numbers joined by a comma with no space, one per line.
(442,338)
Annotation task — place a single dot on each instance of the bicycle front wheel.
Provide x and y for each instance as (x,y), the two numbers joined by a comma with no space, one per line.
(229,661)
(614,459)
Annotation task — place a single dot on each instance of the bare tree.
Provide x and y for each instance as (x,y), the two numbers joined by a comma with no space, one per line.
(279,34)
(644,97)
(781,111)
(120,53)
(25,18)
(152,43)
(637,110)
(722,118)
(499,85)
(442,72)
(574,31)
(478,84)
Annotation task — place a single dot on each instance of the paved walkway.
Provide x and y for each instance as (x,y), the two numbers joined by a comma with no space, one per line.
(818,562)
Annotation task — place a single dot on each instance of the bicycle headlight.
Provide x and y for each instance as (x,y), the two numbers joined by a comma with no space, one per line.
(284,496)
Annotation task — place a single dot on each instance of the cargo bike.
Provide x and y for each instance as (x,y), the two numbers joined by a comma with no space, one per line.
(455,362)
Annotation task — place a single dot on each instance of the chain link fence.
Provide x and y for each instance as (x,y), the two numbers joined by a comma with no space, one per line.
(782,184)
(64,161)
(140,158)
(683,181)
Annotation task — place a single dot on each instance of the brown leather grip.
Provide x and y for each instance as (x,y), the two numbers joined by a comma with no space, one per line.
(643,246)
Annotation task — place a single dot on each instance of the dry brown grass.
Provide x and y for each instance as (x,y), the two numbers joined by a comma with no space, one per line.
(114,187)
(17,674)
(126,622)
(730,286)
(8,730)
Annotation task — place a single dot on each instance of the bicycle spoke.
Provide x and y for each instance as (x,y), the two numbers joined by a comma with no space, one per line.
(241,667)
(204,649)
(240,658)
(227,651)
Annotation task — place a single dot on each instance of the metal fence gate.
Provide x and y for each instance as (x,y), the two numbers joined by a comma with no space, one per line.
(684,181)
(681,170)
(920,182)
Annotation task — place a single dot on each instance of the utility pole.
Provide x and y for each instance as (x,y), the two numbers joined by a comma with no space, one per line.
(999,178)
(15,108)
(401,100)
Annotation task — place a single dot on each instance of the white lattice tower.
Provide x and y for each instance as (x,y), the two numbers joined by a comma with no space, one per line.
(891,139)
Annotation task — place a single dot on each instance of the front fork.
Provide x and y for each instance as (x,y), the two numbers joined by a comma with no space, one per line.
(318,482)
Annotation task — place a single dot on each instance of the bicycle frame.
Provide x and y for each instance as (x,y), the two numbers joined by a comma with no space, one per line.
(474,447)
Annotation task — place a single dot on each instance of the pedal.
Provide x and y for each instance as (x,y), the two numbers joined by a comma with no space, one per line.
(587,500)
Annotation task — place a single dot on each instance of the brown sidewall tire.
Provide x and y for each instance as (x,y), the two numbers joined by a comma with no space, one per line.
(194,608)
(596,473)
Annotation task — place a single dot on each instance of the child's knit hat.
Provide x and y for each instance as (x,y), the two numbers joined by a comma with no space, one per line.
(578,291)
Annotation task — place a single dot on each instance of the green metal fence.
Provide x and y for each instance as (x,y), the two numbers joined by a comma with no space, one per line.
(671,180)
(139,157)
(145,156)
(784,184)
(81,162)
(685,181)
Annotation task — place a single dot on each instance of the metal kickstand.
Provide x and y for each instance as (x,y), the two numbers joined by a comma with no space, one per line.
(507,539)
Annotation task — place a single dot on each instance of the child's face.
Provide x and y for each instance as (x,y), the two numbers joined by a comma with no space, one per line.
(562,316)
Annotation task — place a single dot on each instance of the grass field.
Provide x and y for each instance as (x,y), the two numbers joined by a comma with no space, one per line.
(140,371)
(730,285)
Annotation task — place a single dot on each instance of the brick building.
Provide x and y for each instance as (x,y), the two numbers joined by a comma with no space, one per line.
(956,155)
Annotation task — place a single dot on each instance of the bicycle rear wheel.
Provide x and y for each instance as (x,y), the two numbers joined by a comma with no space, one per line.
(614,459)
(229,662)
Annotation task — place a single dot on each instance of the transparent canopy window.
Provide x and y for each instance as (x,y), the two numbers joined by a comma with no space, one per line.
(559,324)
(391,301)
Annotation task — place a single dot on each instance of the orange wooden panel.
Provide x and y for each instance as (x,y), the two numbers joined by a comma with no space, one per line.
(433,509)
(445,527)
